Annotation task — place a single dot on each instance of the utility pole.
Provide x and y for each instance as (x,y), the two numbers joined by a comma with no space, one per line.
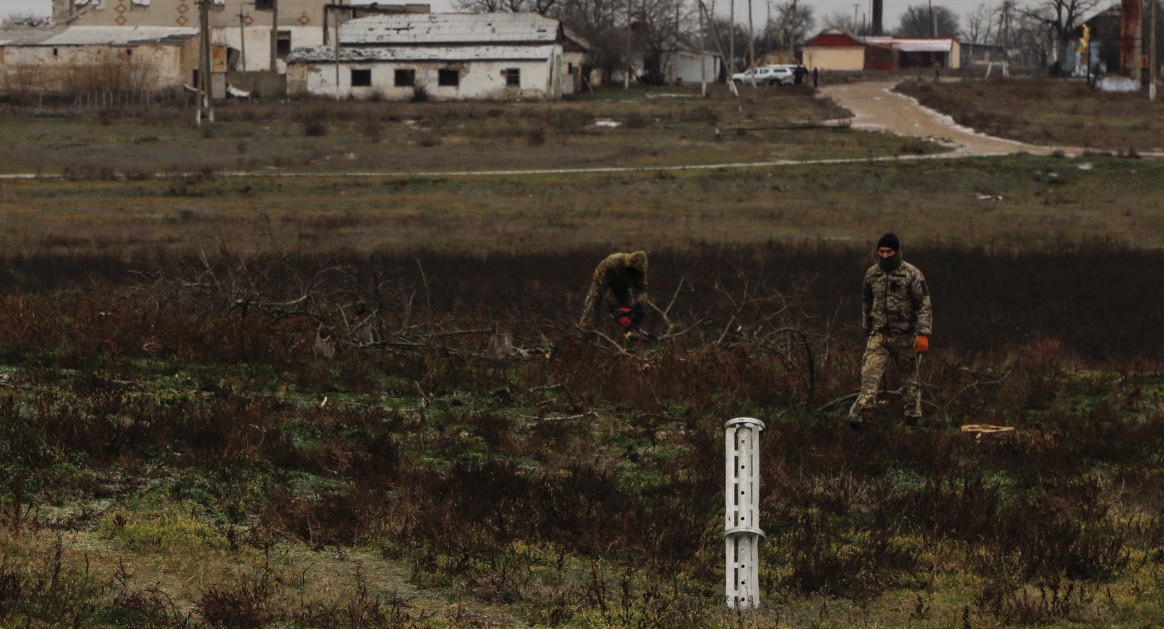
(205,102)
(337,51)
(1152,51)
(275,36)
(242,38)
(702,56)
(751,37)
(629,65)
(731,39)
(768,28)
(792,20)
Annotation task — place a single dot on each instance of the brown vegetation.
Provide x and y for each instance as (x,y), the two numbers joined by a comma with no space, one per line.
(1048,112)
(568,458)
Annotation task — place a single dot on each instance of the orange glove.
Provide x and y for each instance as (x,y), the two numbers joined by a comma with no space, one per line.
(625,317)
(921,344)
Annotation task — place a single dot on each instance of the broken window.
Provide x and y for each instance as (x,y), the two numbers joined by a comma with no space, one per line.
(449,77)
(264,5)
(284,44)
(405,78)
(139,3)
(361,78)
(513,77)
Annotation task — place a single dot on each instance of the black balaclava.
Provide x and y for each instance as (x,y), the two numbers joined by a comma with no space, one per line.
(892,262)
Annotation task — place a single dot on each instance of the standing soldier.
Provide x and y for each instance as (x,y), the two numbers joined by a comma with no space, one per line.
(622,277)
(897,322)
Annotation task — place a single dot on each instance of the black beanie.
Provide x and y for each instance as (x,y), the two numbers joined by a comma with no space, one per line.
(889,240)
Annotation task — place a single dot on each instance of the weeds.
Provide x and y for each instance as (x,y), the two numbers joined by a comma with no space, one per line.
(566,481)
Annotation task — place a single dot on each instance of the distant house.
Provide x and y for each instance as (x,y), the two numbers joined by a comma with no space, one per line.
(1104,39)
(976,54)
(70,59)
(689,65)
(922,52)
(447,56)
(241,25)
(838,49)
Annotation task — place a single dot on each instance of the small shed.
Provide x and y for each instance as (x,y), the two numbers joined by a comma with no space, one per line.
(69,59)
(445,56)
(839,49)
(978,54)
(690,66)
(922,52)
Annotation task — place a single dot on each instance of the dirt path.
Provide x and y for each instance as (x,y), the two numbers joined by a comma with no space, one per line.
(875,106)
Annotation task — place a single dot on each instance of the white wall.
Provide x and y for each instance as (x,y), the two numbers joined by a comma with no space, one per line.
(829,58)
(258,43)
(303,18)
(478,80)
(77,68)
(684,67)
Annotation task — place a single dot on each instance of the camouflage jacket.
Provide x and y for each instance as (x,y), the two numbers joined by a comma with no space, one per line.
(620,276)
(897,302)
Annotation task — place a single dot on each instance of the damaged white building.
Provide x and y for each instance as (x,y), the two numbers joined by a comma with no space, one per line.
(445,56)
(70,59)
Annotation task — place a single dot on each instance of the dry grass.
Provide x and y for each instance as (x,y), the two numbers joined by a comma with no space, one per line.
(1049,112)
(657,129)
(1019,202)
(202,463)
(176,450)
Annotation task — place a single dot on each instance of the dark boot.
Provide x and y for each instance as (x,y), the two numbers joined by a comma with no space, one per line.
(859,419)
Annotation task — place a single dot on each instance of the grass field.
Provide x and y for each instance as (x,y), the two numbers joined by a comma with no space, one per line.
(1068,113)
(250,400)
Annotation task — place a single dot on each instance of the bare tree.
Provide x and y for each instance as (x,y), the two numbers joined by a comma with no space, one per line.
(792,23)
(1060,19)
(657,26)
(843,20)
(732,35)
(602,23)
(922,21)
(541,7)
(479,6)
(979,25)
(1005,16)
(1030,43)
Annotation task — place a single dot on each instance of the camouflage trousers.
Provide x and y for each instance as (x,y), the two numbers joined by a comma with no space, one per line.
(879,351)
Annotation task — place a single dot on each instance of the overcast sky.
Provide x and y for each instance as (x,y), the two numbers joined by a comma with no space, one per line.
(821,8)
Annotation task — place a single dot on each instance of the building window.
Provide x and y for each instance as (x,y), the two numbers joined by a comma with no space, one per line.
(513,77)
(284,44)
(448,77)
(264,5)
(405,78)
(361,78)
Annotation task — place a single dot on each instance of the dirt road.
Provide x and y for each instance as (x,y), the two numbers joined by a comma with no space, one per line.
(874,106)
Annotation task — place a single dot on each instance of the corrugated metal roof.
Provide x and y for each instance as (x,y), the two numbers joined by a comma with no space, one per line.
(96,35)
(917,44)
(923,45)
(448,28)
(447,54)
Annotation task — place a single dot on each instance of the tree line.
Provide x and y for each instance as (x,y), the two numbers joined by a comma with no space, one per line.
(644,31)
